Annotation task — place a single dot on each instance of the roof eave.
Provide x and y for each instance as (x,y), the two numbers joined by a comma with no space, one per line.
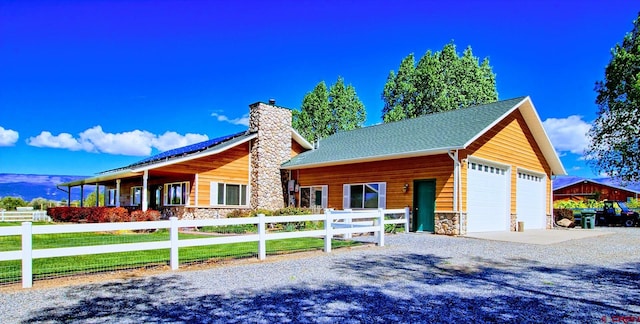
(193,156)
(598,183)
(300,139)
(101,178)
(535,125)
(371,158)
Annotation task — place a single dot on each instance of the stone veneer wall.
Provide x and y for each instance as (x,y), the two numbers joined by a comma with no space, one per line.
(513,225)
(448,223)
(270,149)
(196,213)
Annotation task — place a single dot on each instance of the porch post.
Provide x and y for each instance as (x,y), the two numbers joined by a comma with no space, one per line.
(117,192)
(82,195)
(69,196)
(196,190)
(145,178)
(97,194)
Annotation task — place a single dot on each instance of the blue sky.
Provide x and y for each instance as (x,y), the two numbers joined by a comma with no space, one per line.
(88,86)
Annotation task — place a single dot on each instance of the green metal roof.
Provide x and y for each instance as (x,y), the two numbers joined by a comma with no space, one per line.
(429,134)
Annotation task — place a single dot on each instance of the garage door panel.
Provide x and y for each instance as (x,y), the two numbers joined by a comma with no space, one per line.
(531,200)
(487,198)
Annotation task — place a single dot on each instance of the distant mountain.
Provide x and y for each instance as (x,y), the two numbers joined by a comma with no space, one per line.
(30,186)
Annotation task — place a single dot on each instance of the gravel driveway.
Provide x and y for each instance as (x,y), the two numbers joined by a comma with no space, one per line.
(414,278)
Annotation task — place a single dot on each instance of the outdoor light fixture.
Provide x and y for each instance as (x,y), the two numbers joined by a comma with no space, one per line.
(405,188)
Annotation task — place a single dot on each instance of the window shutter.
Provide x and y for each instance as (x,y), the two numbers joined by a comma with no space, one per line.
(213,194)
(325,196)
(346,199)
(382,195)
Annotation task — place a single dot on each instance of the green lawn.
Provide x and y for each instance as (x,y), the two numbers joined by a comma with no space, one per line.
(64,266)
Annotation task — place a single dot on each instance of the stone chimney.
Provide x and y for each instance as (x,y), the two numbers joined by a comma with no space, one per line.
(269,150)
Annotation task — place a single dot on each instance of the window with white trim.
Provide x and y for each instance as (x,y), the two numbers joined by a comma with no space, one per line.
(228,194)
(136,195)
(111,197)
(314,196)
(364,195)
(176,193)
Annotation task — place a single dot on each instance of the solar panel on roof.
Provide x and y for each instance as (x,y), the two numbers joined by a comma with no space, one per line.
(187,149)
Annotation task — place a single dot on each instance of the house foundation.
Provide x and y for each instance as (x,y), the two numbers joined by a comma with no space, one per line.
(450,223)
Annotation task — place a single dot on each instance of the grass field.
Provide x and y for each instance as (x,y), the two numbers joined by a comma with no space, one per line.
(10,271)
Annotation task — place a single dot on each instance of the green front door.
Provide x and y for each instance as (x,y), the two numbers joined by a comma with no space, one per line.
(424,202)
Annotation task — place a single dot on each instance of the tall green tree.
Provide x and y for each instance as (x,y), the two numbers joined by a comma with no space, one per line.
(10,203)
(42,203)
(326,111)
(90,200)
(615,134)
(440,81)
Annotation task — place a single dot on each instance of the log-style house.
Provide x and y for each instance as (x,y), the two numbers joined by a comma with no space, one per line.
(482,168)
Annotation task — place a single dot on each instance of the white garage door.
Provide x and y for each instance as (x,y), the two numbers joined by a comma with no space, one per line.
(531,200)
(487,198)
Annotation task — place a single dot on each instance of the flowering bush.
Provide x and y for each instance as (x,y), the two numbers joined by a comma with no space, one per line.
(89,214)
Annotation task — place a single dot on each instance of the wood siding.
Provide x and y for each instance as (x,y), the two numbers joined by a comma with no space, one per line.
(395,173)
(296,148)
(231,166)
(509,142)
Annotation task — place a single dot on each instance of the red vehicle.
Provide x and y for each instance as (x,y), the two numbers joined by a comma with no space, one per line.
(616,213)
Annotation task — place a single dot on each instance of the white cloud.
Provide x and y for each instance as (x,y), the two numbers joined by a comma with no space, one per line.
(8,137)
(568,134)
(244,120)
(171,140)
(135,143)
(62,140)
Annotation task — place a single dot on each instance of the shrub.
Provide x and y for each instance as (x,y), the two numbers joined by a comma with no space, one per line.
(117,214)
(237,213)
(145,216)
(266,212)
(560,213)
(88,214)
(287,211)
(68,214)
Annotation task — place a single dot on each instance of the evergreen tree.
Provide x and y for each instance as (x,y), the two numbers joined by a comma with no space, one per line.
(441,81)
(615,134)
(326,111)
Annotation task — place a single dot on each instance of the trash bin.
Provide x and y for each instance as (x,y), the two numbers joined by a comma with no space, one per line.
(588,219)
(520,226)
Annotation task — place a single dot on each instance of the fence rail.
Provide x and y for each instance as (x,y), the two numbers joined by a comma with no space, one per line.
(24,216)
(335,223)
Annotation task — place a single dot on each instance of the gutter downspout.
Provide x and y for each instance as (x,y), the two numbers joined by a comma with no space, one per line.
(68,194)
(457,202)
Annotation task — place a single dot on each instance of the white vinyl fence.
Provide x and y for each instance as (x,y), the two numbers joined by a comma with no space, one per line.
(335,223)
(24,215)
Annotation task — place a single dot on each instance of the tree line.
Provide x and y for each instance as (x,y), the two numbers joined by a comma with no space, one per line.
(440,81)
(444,80)
(11,203)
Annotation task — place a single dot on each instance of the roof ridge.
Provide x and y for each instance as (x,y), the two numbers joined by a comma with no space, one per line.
(431,115)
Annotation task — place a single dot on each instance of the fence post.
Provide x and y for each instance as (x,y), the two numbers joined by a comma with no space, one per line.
(327,230)
(348,220)
(406,219)
(262,237)
(173,236)
(380,223)
(2,212)
(27,255)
